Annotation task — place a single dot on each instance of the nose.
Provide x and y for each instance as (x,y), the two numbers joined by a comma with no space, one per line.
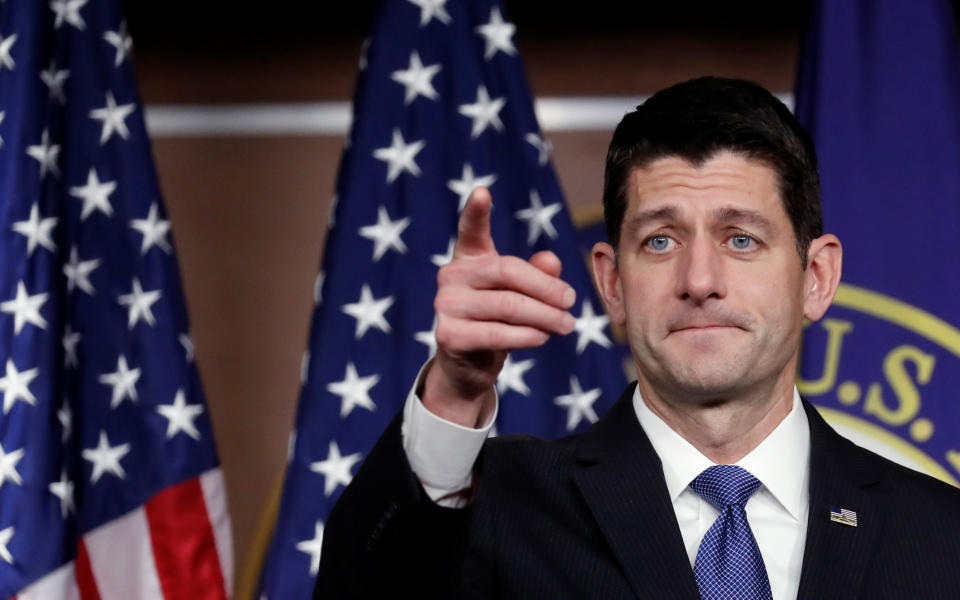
(700,272)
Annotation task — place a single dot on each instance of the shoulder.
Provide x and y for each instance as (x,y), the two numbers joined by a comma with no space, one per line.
(900,486)
(915,487)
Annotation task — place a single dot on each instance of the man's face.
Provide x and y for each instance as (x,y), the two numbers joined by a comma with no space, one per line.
(708,283)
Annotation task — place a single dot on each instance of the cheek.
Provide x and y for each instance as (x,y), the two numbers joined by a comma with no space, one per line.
(643,303)
(779,303)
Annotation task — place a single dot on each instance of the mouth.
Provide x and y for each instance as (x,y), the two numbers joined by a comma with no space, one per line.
(702,328)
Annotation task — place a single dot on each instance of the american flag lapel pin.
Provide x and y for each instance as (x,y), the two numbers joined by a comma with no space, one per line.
(844,516)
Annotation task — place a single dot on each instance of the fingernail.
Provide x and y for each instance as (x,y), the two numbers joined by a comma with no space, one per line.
(568,322)
(569,297)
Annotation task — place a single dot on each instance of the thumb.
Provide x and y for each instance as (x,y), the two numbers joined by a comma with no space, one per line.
(473,230)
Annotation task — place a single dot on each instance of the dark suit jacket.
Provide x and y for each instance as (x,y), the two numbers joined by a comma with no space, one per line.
(589,517)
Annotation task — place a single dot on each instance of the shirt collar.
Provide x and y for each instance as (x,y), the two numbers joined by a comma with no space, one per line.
(780,461)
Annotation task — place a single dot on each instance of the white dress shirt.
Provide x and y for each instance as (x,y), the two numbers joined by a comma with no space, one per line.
(777,511)
(442,454)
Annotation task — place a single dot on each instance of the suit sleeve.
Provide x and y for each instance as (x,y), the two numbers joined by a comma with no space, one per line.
(386,538)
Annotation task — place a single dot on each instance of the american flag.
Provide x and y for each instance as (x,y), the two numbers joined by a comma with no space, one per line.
(441,106)
(109,480)
(843,515)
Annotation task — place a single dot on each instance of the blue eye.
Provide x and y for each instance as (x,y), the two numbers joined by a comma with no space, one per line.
(659,243)
(741,242)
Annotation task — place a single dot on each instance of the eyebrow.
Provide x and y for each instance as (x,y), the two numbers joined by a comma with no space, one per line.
(723,215)
(665,213)
(744,216)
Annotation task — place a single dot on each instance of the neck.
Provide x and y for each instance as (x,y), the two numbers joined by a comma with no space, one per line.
(724,429)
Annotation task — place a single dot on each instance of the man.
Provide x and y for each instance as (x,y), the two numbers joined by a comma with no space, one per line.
(710,477)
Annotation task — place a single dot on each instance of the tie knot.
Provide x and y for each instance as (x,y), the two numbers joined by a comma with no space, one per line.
(724,485)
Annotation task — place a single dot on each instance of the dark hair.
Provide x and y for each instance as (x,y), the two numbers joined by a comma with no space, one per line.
(695,120)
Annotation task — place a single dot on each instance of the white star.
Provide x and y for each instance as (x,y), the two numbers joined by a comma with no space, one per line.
(511,376)
(70,341)
(335,469)
(5,59)
(121,41)
(25,308)
(65,416)
(112,116)
(498,34)
(187,344)
(2,115)
(428,338)
(16,386)
(63,489)
(78,272)
(386,234)
(538,218)
(354,391)
(180,416)
(124,382)
(464,186)
(46,154)
(589,327)
(484,112)
(369,312)
(417,79)
(8,466)
(69,11)
(579,404)
(154,231)
(37,230)
(54,80)
(5,536)
(399,156)
(318,289)
(106,458)
(313,546)
(139,303)
(542,145)
(95,195)
(443,259)
(432,9)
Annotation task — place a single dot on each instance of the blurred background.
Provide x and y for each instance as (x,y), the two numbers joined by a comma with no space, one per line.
(249,210)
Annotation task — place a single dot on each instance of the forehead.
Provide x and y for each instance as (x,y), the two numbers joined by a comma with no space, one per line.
(726,180)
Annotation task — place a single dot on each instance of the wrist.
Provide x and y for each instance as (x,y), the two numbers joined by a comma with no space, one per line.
(444,399)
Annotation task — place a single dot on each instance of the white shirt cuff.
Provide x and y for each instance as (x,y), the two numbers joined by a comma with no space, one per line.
(440,452)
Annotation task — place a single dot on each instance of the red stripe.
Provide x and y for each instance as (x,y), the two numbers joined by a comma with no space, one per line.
(84,574)
(184,548)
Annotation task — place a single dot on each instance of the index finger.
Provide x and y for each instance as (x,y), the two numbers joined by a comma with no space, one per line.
(473,229)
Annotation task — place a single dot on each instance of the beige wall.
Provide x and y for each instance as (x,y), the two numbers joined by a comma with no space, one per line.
(249,213)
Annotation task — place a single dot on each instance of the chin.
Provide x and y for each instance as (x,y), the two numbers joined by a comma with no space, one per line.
(709,378)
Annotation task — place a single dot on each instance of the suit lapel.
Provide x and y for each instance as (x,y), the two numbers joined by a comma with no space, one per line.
(836,555)
(621,479)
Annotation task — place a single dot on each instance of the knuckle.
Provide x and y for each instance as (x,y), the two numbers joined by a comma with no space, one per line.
(445,338)
(511,306)
(442,301)
(510,268)
(496,337)
(445,274)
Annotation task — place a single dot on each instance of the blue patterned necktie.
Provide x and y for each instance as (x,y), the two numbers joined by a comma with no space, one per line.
(729,565)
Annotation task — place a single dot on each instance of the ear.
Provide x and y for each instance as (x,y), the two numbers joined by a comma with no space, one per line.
(607,278)
(824,262)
